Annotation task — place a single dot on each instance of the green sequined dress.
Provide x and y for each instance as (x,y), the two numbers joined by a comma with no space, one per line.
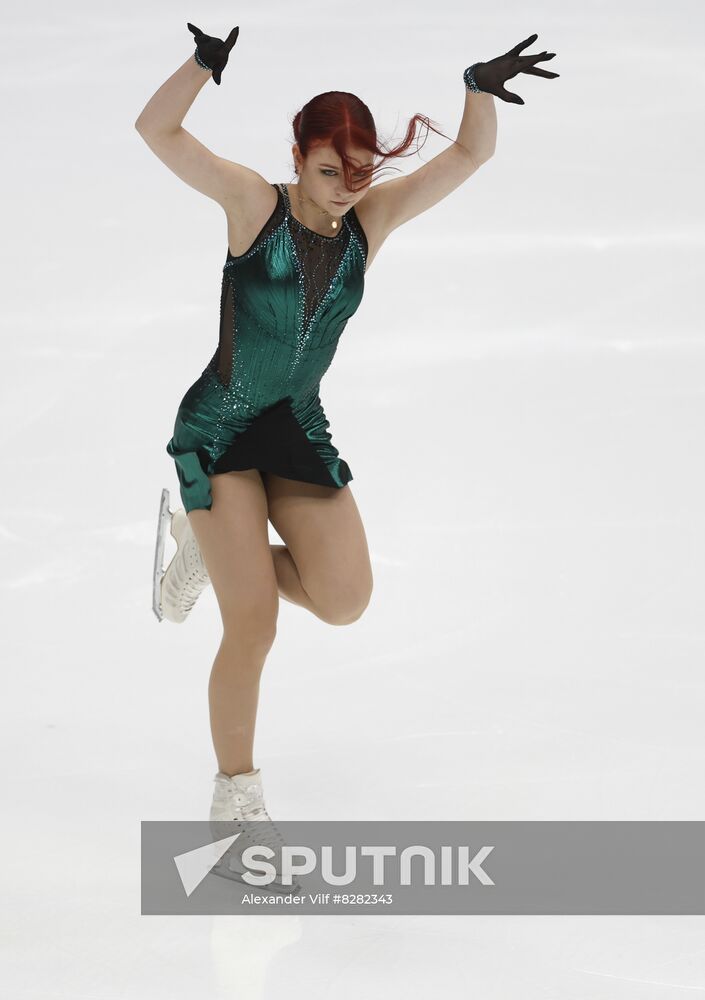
(284,304)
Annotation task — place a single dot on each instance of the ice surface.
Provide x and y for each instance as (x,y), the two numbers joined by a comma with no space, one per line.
(520,397)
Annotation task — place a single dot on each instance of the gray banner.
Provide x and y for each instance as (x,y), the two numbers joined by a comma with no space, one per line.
(444,867)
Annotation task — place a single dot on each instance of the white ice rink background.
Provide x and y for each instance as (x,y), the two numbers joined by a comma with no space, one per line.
(520,397)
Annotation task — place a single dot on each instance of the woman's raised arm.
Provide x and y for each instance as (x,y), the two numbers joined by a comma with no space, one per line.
(159,124)
(165,110)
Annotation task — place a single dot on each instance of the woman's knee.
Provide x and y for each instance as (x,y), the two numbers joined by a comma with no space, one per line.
(344,601)
(251,623)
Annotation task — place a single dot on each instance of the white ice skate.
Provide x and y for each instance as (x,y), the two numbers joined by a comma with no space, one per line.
(176,589)
(236,799)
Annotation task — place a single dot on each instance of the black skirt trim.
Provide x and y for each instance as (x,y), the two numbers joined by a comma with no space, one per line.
(276,442)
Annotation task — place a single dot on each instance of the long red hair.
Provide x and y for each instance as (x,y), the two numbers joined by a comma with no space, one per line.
(342,120)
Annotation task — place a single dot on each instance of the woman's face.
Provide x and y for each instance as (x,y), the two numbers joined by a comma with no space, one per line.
(322,179)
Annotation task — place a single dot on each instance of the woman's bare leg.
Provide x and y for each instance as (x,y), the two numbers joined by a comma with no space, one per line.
(288,579)
(325,563)
(233,538)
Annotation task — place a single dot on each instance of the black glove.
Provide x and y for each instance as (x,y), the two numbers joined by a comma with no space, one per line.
(490,76)
(213,52)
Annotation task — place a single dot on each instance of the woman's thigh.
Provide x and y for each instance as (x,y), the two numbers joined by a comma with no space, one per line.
(323,531)
(234,541)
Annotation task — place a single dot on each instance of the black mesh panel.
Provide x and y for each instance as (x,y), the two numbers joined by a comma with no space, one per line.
(318,264)
(224,354)
(222,360)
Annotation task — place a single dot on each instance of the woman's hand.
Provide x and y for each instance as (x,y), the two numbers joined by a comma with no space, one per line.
(491,76)
(214,52)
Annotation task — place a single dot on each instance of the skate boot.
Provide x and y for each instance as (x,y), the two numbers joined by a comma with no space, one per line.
(237,801)
(175,591)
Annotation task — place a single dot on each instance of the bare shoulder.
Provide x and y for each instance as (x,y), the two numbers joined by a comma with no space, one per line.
(373,216)
(249,203)
(244,190)
(369,211)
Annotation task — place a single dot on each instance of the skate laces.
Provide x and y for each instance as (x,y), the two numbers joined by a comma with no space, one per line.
(250,804)
(197,577)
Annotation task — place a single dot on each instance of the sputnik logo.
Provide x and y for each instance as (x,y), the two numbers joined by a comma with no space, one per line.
(193,866)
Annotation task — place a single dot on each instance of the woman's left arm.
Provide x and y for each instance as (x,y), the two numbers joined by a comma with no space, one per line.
(403,198)
(477,134)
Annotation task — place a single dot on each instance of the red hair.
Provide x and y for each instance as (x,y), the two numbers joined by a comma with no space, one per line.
(341,120)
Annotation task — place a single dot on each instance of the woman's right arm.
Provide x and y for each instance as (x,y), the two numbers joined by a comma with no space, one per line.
(159,124)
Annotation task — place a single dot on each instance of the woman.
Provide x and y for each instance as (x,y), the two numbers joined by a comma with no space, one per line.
(251,440)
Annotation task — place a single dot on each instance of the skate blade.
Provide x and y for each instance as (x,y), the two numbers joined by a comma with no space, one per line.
(222,869)
(165,515)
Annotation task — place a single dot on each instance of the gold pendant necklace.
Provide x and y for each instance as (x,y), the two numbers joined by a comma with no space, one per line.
(334,222)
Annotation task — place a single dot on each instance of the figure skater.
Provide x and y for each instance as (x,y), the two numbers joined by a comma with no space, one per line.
(251,441)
